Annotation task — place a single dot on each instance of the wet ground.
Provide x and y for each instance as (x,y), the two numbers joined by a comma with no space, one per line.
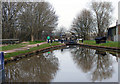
(71,64)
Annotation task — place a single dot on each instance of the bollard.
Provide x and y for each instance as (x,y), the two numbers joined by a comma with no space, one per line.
(37,45)
(51,41)
(82,40)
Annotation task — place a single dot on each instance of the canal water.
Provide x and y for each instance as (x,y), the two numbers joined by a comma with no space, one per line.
(71,64)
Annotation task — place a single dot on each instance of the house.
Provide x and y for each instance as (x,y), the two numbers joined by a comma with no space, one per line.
(114,33)
(111,33)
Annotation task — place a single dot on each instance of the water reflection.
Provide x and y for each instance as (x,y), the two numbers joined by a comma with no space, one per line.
(98,63)
(103,66)
(83,58)
(41,68)
(71,64)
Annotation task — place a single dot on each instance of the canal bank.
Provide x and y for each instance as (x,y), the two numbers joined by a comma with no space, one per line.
(15,56)
(28,53)
(113,49)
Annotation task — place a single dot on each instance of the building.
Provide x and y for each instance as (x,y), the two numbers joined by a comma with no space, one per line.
(111,33)
(114,33)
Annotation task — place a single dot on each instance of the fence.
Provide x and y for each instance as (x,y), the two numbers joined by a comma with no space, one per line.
(9,41)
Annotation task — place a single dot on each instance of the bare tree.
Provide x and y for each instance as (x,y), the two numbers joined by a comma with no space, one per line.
(27,20)
(39,17)
(9,17)
(60,31)
(0,23)
(102,14)
(83,25)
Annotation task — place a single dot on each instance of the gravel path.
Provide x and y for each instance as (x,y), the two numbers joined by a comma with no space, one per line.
(23,48)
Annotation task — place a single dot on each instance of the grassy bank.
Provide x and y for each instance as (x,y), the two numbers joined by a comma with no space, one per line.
(107,44)
(8,55)
(34,42)
(13,46)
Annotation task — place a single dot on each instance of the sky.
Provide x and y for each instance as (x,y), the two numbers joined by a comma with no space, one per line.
(119,13)
(67,10)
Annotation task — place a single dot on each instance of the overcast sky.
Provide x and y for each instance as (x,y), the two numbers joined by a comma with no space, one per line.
(68,9)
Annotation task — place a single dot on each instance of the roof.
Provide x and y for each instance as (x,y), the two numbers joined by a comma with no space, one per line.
(112,27)
(100,38)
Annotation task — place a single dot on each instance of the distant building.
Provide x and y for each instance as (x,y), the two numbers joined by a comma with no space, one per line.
(111,33)
(114,33)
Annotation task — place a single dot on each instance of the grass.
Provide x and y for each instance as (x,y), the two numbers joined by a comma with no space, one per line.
(34,42)
(13,46)
(108,43)
(10,47)
(8,55)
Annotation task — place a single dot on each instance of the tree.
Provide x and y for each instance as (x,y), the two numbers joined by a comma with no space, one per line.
(83,25)
(41,18)
(103,16)
(26,20)
(0,22)
(9,18)
(59,32)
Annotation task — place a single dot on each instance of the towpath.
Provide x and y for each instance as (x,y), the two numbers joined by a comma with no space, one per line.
(23,48)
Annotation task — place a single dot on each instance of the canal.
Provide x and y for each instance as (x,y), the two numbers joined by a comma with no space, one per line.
(71,64)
